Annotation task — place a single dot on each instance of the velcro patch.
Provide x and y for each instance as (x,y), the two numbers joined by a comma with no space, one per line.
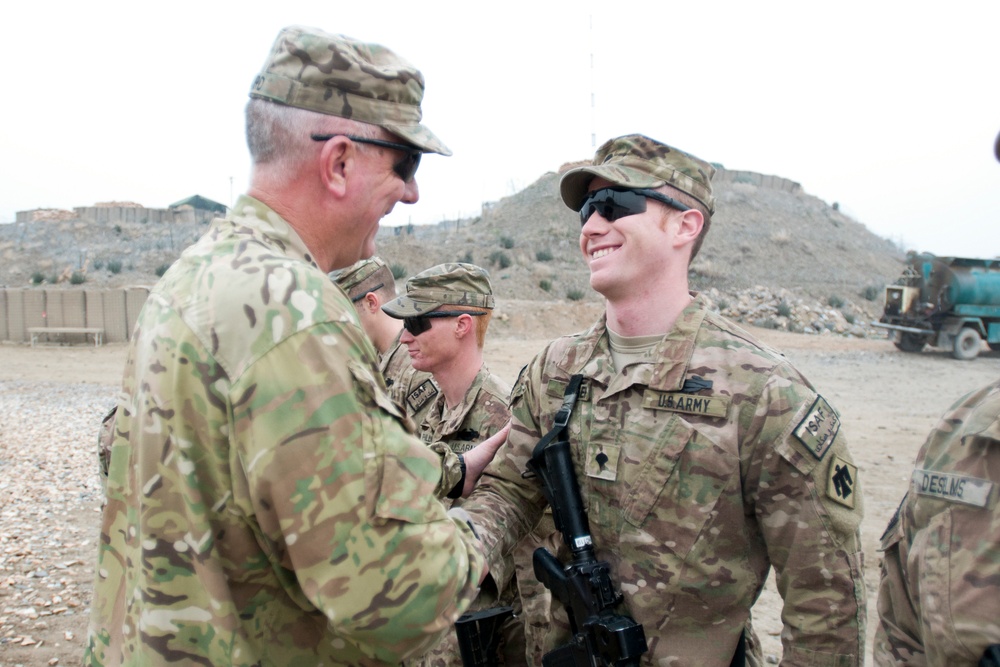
(420,396)
(819,428)
(602,462)
(557,389)
(951,487)
(841,479)
(678,401)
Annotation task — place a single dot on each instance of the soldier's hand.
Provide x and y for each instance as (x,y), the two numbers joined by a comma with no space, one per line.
(477,458)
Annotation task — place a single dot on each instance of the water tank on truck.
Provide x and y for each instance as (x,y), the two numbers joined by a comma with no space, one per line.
(948,302)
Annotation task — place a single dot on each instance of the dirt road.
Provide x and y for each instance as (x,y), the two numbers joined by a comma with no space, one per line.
(888,402)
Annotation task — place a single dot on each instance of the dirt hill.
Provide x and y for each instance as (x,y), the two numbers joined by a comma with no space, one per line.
(773,252)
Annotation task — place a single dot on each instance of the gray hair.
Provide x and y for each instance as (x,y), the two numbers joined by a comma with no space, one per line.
(279,135)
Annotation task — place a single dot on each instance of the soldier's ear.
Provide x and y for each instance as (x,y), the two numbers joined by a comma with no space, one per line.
(337,160)
(689,226)
(464,324)
(371,302)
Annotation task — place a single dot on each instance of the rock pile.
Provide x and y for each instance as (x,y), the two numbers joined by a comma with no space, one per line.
(782,309)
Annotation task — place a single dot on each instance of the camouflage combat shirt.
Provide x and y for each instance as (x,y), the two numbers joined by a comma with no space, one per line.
(412,390)
(265,504)
(939,597)
(700,470)
(482,412)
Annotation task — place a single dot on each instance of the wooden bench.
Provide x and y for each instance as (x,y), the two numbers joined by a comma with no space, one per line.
(97,333)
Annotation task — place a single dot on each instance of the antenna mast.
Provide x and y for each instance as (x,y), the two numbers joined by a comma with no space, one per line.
(593,96)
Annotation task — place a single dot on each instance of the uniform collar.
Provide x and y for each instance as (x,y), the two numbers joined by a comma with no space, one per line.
(667,368)
(258,216)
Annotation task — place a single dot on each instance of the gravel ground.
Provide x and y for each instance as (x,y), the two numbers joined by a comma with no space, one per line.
(49,494)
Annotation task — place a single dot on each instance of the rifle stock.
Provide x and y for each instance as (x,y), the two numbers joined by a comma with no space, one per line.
(479,636)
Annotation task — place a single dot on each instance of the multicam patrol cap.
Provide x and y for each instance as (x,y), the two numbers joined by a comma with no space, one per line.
(452,284)
(353,279)
(636,161)
(341,76)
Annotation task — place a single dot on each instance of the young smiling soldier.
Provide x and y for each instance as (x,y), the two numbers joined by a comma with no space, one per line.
(704,458)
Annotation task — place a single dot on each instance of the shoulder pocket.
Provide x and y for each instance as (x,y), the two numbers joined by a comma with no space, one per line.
(401,473)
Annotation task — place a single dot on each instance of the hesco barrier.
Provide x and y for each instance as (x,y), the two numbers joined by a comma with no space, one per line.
(113,310)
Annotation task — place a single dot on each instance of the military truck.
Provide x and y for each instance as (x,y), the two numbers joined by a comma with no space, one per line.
(948,302)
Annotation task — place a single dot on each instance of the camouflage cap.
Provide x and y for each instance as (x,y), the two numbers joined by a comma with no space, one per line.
(451,284)
(357,273)
(636,161)
(340,76)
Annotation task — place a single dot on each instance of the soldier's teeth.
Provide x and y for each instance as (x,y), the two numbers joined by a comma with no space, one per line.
(601,253)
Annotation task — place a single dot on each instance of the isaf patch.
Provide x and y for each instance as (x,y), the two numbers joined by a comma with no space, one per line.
(819,428)
(420,396)
(841,481)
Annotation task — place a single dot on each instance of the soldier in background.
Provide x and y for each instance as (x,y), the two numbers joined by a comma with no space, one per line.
(370,285)
(939,593)
(704,458)
(265,502)
(445,314)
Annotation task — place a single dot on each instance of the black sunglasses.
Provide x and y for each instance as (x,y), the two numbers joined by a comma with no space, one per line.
(615,203)
(367,292)
(418,324)
(406,168)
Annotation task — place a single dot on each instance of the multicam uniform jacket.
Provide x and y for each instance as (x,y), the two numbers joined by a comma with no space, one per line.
(412,390)
(939,597)
(482,413)
(700,469)
(265,505)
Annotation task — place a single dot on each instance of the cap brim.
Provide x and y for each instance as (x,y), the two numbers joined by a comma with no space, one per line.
(574,183)
(421,137)
(404,306)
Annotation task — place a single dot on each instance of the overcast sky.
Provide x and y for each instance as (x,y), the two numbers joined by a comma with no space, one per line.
(888,108)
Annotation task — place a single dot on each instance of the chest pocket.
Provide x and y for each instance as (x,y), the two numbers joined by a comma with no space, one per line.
(669,480)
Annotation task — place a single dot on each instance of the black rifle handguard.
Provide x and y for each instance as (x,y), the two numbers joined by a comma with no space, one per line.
(584,587)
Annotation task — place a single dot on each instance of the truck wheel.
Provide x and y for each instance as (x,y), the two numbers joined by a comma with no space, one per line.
(909,342)
(967,344)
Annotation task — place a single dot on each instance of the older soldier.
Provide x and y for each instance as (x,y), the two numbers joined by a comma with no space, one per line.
(265,503)
(370,285)
(703,456)
(445,315)
(939,596)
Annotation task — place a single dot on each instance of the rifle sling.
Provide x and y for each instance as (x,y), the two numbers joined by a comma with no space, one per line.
(562,416)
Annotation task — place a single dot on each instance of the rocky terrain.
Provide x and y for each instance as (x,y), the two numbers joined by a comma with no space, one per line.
(775,256)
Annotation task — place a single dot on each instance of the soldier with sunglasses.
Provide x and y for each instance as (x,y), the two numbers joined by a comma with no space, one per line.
(266,501)
(370,285)
(446,312)
(703,456)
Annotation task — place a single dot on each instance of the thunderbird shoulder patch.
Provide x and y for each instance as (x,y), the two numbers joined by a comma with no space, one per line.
(841,479)
(819,428)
